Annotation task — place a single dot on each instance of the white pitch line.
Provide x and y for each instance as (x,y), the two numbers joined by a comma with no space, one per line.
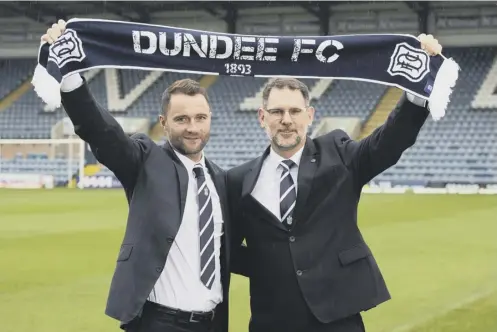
(473,298)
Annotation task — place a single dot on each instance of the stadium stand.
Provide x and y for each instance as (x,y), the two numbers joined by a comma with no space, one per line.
(17,71)
(461,147)
(34,163)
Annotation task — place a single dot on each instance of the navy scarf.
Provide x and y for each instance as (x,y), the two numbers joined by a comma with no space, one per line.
(389,59)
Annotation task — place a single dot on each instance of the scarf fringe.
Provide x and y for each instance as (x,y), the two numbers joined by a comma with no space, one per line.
(443,86)
(47,88)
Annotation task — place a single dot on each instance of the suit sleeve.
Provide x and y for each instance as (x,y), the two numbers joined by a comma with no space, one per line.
(239,252)
(111,146)
(384,147)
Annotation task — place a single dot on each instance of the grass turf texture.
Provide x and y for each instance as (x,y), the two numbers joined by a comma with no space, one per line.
(437,253)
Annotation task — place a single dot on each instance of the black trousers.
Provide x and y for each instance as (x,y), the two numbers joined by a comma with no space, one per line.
(291,313)
(306,323)
(155,318)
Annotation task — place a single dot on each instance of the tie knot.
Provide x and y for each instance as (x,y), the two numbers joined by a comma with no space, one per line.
(198,170)
(288,164)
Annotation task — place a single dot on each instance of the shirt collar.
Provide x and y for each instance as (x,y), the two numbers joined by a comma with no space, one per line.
(275,159)
(188,163)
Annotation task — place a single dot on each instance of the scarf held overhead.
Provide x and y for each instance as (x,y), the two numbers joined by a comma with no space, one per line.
(389,59)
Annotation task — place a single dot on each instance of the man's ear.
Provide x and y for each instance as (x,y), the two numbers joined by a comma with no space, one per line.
(162,120)
(311,112)
(260,116)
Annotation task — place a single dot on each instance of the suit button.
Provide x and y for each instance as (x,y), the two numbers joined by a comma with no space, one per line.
(292,238)
(158,269)
(170,239)
(299,273)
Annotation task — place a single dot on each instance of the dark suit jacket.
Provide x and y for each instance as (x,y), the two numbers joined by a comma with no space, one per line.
(155,182)
(323,264)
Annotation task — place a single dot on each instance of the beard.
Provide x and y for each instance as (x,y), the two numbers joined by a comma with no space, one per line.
(179,143)
(289,144)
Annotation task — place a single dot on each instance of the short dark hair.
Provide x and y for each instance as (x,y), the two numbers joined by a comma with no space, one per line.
(284,82)
(185,86)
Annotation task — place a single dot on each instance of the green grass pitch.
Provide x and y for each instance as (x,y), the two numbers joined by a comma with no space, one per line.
(438,254)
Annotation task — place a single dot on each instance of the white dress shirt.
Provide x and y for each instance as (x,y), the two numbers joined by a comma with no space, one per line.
(267,187)
(179,285)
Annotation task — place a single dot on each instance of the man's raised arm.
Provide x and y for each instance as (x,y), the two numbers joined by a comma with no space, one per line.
(384,147)
(94,124)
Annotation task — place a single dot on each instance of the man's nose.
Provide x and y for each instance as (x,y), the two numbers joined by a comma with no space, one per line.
(286,118)
(192,127)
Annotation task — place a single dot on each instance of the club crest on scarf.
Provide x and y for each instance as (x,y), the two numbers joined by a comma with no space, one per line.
(409,62)
(67,48)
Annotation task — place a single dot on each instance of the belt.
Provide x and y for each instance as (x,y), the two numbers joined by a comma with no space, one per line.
(188,316)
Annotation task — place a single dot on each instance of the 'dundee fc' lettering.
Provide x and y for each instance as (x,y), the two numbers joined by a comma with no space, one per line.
(299,48)
(239,48)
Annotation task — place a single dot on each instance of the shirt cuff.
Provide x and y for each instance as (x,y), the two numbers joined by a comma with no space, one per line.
(416,100)
(71,83)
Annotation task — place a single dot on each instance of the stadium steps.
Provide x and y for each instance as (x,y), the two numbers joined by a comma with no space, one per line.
(116,103)
(253,102)
(486,97)
(15,94)
(207,81)
(382,110)
(156,133)
(320,88)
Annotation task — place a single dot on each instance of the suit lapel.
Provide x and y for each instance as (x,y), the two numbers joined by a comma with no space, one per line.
(249,183)
(307,169)
(252,175)
(182,175)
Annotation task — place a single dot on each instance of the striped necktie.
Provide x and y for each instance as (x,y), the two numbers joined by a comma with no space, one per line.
(206,227)
(288,194)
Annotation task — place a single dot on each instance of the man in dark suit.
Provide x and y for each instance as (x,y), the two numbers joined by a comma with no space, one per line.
(310,269)
(172,271)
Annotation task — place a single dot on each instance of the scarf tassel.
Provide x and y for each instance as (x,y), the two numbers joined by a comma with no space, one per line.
(445,81)
(47,88)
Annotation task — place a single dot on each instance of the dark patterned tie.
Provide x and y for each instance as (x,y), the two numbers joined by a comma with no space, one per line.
(288,194)
(206,227)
